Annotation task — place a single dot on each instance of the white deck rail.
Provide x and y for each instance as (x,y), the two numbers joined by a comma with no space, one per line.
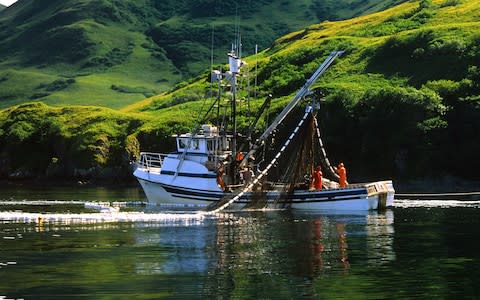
(151,160)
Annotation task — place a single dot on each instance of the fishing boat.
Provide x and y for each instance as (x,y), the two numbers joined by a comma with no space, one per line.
(208,169)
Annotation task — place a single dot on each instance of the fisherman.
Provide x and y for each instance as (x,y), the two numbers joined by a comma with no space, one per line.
(247,175)
(235,167)
(239,157)
(342,174)
(220,181)
(317,178)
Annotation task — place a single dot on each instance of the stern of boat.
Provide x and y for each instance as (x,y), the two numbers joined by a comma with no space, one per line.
(383,191)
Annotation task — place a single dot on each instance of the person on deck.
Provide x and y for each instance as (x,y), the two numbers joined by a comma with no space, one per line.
(220,181)
(247,175)
(239,157)
(342,174)
(317,178)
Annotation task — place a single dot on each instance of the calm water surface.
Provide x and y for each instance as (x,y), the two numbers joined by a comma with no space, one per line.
(72,250)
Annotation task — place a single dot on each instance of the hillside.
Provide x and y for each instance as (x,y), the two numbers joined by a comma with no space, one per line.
(113,53)
(80,52)
(402,102)
(2,7)
(405,97)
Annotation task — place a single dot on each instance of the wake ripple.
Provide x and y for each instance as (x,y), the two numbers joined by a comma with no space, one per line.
(107,213)
(435,203)
(100,217)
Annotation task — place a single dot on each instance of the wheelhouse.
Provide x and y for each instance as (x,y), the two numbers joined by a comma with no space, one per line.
(207,141)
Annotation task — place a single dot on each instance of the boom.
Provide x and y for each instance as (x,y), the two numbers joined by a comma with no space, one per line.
(301,93)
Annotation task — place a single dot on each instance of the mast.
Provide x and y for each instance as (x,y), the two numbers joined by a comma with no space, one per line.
(235,64)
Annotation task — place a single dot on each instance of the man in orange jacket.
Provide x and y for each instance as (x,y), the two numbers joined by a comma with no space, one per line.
(317,179)
(342,174)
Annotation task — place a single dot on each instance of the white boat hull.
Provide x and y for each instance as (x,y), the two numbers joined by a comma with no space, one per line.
(364,197)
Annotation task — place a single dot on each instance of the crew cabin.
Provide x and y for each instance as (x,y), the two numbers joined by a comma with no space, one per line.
(206,147)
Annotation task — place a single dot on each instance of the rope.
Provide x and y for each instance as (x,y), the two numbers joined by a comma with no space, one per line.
(265,171)
(323,153)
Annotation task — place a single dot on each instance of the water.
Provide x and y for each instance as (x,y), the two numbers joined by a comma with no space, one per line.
(104,243)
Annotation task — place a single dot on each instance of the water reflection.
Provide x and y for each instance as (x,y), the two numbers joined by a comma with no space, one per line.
(180,250)
(243,254)
(429,251)
(297,248)
(278,242)
(380,233)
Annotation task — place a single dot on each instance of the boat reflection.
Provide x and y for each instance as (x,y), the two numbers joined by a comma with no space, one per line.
(253,242)
(274,243)
(331,243)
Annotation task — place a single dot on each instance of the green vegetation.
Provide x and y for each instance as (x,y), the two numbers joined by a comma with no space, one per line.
(403,101)
(79,142)
(144,47)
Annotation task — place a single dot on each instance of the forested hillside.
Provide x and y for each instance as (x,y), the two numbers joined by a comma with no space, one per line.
(402,102)
(2,7)
(115,52)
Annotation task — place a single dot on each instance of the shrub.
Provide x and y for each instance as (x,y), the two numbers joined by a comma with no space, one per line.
(56,85)
(450,3)
(133,90)
(383,123)
(71,138)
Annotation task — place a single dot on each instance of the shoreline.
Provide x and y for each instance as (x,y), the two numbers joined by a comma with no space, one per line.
(54,183)
(441,184)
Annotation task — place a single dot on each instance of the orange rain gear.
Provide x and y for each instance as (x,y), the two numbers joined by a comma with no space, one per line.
(317,179)
(220,181)
(342,173)
(239,157)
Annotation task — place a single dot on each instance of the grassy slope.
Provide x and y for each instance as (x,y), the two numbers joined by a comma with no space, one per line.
(418,58)
(105,44)
(115,55)
(259,25)
(80,141)
(405,91)
(360,37)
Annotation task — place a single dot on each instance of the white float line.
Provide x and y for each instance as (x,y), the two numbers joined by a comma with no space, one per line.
(101,217)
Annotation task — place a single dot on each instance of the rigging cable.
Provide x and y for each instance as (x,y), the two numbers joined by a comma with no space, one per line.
(323,153)
(222,204)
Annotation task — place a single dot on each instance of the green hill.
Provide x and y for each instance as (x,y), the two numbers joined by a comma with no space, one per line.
(113,53)
(403,101)
(2,7)
(80,52)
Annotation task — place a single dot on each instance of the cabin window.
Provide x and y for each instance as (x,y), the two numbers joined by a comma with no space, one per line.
(196,145)
(181,144)
(188,144)
(210,146)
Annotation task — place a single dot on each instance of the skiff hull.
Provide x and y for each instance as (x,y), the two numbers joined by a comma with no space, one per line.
(360,197)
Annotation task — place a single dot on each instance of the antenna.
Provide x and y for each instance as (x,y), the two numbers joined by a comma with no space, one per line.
(237,32)
(256,73)
(211,60)
(213,40)
(239,44)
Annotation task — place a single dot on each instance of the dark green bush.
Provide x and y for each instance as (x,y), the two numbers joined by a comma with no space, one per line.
(384,124)
(33,135)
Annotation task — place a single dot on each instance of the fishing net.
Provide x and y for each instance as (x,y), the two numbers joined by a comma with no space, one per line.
(296,167)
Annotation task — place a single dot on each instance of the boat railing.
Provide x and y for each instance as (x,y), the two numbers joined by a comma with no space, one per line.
(151,160)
